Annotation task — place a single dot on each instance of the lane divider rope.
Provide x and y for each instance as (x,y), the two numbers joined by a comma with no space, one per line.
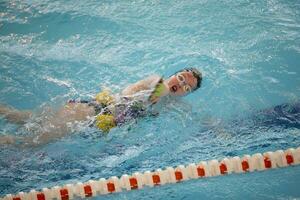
(92,188)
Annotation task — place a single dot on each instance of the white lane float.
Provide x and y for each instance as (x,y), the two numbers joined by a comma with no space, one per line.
(92,188)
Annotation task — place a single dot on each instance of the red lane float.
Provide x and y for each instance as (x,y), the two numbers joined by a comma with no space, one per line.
(247,163)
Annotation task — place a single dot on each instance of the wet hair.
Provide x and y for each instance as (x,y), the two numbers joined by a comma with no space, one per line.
(196,73)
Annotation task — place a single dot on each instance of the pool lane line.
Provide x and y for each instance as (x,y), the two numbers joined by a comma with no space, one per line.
(159,177)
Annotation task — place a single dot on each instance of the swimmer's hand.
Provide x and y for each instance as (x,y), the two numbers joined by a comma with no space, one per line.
(157,92)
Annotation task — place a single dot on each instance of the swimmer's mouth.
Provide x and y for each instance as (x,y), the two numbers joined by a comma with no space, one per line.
(174,88)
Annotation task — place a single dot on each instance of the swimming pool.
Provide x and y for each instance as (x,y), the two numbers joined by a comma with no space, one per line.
(249,53)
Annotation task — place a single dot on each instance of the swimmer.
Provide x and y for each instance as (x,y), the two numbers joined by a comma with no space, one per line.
(105,111)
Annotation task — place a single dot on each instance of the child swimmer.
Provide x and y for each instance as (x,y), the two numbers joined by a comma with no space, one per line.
(105,110)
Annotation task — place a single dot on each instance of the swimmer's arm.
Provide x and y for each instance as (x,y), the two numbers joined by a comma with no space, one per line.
(145,84)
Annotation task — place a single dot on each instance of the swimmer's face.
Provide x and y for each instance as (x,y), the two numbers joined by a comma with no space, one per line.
(182,83)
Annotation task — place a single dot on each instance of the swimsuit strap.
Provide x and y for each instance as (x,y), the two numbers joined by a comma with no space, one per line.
(78,101)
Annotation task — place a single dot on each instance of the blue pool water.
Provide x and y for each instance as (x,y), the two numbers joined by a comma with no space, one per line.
(248,51)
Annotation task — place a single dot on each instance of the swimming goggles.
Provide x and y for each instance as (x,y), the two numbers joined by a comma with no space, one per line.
(181,79)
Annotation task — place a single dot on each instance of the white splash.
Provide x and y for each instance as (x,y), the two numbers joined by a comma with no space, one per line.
(58,82)
(113,161)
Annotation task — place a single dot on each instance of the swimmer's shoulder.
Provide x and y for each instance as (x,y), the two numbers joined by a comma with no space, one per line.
(145,84)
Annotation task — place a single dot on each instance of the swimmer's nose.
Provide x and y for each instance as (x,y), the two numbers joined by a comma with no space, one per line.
(181,83)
